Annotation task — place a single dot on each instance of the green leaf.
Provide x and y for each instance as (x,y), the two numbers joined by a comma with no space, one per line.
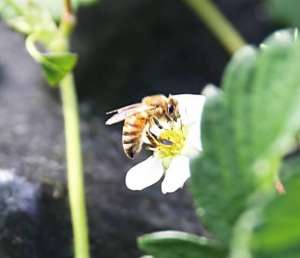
(219,183)
(246,131)
(285,11)
(271,227)
(35,15)
(57,65)
(174,244)
(277,233)
(270,87)
(27,16)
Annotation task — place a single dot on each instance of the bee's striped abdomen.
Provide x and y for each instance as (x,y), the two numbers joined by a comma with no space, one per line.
(133,131)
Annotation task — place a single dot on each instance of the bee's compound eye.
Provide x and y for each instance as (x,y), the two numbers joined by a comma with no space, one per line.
(170,109)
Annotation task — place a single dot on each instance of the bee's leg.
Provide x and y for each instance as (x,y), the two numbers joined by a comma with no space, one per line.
(169,118)
(157,123)
(152,139)
(149,146)
(155,140)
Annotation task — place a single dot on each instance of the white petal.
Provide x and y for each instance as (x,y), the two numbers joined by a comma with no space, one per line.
(190,107)
(193,143)
(177,173)
(144,174)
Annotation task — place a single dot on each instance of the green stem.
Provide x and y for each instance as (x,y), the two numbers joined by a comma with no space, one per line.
(218,24)
(75,175)
(74,167)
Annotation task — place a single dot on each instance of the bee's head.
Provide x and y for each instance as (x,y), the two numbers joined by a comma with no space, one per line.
(173,110)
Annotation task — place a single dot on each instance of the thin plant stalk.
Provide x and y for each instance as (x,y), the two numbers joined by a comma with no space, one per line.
(74,168)
(75,176)
(218,24)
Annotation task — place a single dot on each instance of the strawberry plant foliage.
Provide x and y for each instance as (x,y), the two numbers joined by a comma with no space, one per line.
(48,42)
(174,244)
(26,16)
(38,20)
(19,12)
(276,232)
(247,129)
(271,228)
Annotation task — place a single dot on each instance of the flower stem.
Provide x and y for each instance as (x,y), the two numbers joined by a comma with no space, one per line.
(68,7)
(218,24)
(74,168)
(73,146)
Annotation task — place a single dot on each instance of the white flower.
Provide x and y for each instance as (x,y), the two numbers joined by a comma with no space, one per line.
(172,161)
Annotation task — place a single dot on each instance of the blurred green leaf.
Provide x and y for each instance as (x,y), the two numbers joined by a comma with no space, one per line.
(277,233)
(35,15)
(268,85)
(26,16)
(246,131)
(285,11)
(271,227)
(220,186)
(57,65)
(173,244)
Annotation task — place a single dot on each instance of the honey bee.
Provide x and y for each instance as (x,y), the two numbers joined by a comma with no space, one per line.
(138,119)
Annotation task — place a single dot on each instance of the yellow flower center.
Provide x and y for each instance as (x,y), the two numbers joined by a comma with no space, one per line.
(171,142)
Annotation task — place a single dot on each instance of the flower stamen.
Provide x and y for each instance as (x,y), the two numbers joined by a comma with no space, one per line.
(170,142)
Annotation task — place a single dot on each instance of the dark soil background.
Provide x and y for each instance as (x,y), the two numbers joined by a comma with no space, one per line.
(128,49)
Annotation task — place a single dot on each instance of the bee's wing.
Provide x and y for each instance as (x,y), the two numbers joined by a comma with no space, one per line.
(125,112)
(129,107)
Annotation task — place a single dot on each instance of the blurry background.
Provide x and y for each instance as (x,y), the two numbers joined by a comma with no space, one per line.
(128,49)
